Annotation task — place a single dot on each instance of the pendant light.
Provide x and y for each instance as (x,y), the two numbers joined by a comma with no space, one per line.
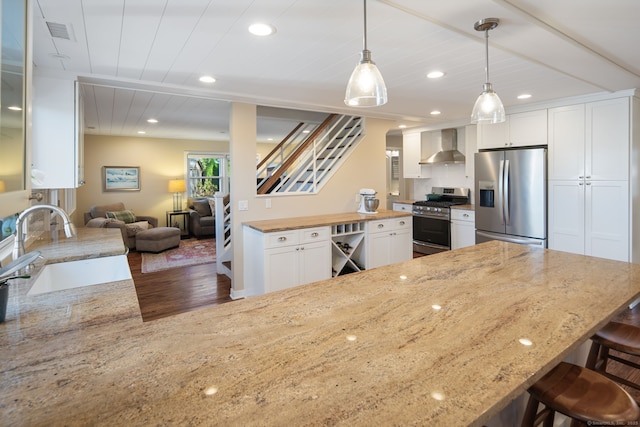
(488,107)
(366,87)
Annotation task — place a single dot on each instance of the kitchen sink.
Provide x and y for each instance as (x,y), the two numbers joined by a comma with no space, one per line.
(75,274)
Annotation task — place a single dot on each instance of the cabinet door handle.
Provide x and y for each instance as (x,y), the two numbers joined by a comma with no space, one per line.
(581,177)
(588,177)
(314,234)
(282,239)
(465,215)
(380,225)
(588,183)
(580,183)
(302,248)
(402,222)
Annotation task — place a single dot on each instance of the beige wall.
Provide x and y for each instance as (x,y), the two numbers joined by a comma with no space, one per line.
(159,160)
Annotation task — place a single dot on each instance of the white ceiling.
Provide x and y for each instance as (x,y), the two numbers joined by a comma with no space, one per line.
(157,50)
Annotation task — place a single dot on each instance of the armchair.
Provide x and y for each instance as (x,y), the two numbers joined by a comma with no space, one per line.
(128,223)
(202,220)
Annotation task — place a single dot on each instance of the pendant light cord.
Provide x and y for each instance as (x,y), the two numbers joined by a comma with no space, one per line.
(365,26)
(486,44)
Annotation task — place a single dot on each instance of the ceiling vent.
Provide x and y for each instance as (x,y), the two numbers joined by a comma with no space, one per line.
(58,31)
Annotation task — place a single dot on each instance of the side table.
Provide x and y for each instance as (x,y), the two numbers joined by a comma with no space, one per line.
(179,219)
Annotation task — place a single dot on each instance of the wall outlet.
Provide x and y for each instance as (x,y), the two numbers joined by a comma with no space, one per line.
(243,205)
(267,203)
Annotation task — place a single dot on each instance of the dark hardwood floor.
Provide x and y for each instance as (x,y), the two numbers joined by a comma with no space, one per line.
(178,290)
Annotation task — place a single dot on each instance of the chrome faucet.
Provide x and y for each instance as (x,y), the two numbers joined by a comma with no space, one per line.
(18,245)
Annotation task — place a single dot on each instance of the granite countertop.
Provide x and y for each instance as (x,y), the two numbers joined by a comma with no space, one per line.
(431,341)
(87,243)
(464,207)
(283,224)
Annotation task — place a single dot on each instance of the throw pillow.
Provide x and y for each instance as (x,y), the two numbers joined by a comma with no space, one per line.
(212,205)
(127,216)
(134,227)
(202,207)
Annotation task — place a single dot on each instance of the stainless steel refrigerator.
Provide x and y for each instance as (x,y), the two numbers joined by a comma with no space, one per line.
(511,196)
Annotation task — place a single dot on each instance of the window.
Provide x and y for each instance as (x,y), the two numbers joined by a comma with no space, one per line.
(207,174)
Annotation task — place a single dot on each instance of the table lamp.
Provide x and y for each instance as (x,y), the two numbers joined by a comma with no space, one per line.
(177,187)
(2,186)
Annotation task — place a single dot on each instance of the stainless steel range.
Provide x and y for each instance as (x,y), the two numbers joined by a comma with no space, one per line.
(431,219)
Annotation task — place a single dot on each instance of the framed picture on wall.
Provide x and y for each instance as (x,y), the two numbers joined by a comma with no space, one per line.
(120,178)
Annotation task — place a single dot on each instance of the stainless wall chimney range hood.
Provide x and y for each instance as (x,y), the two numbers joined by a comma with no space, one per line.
(449,152)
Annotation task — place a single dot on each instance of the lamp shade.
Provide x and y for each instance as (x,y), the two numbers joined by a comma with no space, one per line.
(366,87)
(177,186)
(2,186)
(488,107)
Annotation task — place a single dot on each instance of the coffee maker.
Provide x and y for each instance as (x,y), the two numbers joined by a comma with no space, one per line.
(368,201)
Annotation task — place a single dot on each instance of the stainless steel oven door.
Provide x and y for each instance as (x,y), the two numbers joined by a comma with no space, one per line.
(431,234)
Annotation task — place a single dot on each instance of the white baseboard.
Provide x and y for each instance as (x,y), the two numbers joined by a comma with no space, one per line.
(234,294)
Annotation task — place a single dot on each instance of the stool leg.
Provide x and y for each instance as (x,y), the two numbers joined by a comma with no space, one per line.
(592,359)
(531,416)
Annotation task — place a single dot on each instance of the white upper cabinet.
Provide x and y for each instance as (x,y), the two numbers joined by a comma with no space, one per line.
(607,140)
(57,137)
(411,155)
(518,130)
(566,142)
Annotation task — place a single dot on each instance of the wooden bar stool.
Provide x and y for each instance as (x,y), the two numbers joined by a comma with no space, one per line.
(581,394)
(614,336)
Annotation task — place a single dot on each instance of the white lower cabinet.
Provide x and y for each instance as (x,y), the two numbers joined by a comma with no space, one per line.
(582,220)
(281,260)
(284,259)
(463,228)
(388,241)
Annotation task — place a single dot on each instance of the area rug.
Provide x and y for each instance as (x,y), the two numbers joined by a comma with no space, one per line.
(190,252)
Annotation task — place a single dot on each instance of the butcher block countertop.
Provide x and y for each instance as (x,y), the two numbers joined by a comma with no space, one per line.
(434,341)
(284,224)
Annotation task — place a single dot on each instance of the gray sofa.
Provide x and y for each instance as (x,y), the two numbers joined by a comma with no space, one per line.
(97,218)
(202,221)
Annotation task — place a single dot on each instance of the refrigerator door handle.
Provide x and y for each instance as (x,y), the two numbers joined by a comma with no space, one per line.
(505,199)
(501,190)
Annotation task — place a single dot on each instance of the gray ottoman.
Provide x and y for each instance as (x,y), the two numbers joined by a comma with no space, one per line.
(157,239)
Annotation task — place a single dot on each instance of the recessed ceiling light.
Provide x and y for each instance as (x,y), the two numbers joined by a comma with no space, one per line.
(524,96)
(260,29)
(434,112)
(435,74)
(402,126)
(207,79)
(141,132)
(15,108)
(152,121)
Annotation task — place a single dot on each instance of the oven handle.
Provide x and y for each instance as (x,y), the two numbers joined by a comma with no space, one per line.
(442,217)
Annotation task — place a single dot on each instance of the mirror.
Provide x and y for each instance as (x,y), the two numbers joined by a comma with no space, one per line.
(12,140)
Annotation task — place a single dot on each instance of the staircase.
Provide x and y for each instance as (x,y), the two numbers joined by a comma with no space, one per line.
(304,162)
(223,234)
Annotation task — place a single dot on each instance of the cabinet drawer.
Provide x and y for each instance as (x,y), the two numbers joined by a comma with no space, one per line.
(379,226)
(404,207)
(403,223)
(310,235)
(283,238)
(463,215)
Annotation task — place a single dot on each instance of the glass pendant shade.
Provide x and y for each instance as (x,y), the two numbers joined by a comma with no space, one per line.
(366,86)
(488,107)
